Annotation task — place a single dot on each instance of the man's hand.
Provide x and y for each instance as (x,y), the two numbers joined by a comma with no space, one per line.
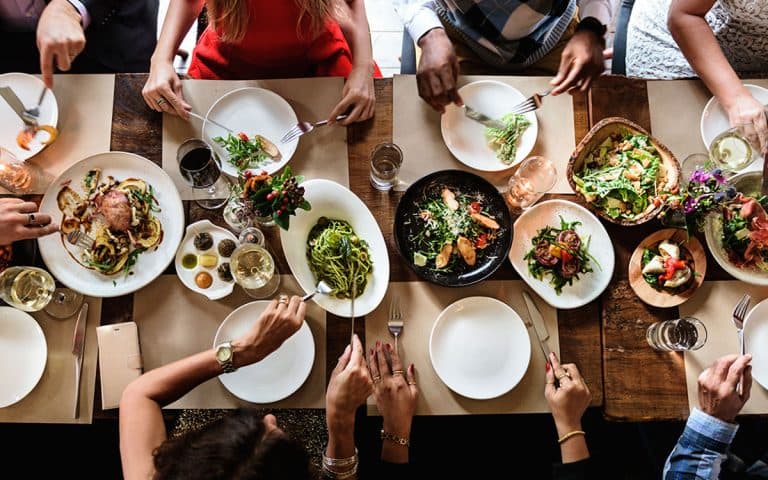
(580,63)
(438,70)
(717,387)
(60,38)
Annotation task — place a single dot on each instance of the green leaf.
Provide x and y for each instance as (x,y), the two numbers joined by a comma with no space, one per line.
(283,221)
(304,205)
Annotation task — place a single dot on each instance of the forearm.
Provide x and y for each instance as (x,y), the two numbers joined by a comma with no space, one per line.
(181,15)
(341,435)
(574,448)
(599,9)
(701,448)
(393,452)
(354,25)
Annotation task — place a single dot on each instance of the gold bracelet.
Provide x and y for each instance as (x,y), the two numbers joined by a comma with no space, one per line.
(394,438)
(569,435)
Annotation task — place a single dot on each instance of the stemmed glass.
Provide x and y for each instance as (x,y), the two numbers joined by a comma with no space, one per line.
(199,167)
(534,177)
(32,289)
(253,268)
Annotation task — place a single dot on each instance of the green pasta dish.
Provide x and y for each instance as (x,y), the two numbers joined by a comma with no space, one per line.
(504,141)
(338,256)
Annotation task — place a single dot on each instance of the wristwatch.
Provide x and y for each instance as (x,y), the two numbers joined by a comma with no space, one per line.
(593,25)
(224,356)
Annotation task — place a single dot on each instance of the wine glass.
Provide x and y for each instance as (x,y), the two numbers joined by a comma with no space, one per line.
(32,289)
(253,268)
(534,177)
(199,167)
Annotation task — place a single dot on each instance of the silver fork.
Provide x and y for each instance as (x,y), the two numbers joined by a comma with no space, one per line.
(35,111)
(395,322)
(739,313)
(80,239)
(305,127)
(530,104)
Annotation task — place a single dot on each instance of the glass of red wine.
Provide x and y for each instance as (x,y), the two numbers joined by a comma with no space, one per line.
(199,167)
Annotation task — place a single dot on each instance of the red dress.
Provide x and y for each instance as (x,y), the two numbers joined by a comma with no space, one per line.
(273,48)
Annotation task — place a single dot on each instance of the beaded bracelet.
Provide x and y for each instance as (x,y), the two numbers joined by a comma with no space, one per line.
(394,438)
(569,435)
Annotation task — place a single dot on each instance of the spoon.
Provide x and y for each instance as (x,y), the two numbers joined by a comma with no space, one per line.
(321,287)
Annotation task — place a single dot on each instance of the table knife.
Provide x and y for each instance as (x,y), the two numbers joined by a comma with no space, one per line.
(352,310)
(13,101)
(764,185)
(482,118)
(537,322)
(78,349)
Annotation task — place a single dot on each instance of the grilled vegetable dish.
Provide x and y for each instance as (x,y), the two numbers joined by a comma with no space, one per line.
(667,267)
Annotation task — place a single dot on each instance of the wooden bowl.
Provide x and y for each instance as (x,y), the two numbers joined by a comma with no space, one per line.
(660,298)
(670,167)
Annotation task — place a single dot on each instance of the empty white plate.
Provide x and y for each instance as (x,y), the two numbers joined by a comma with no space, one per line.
(466,138)
(755,340)
(27,88)
(281,373)
(479,347)
(252,111)
(23,354)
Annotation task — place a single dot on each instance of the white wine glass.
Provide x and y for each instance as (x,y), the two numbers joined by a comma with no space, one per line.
(32,289)
(253,268)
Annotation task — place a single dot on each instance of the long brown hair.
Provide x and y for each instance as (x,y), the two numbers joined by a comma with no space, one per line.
(230,17)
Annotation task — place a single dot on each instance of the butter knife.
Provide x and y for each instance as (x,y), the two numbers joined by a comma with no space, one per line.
(13,101)
(78,349)
(482,118)
(537,322)
(352,310)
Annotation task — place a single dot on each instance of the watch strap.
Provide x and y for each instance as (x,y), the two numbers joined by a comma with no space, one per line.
(226,365)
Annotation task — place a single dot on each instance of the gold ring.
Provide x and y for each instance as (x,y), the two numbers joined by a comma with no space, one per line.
(565,374)
(377,379)
(161,101)
(397,372)
(283,299)
(411,383)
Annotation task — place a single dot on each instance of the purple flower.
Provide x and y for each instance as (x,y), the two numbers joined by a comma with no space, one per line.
(718,175)
(689,205)
(699,176)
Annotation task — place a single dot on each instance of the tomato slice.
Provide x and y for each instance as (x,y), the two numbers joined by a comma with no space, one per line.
(482,241)
(475,207)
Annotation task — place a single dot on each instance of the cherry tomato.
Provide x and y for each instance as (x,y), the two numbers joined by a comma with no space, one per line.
(243,136)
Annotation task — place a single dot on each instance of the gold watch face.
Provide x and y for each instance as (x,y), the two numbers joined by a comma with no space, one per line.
(223,353)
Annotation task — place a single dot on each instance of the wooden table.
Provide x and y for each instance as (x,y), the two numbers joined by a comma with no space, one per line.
(605,338)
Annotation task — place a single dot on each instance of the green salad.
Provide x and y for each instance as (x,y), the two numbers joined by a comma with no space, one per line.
(247,152)
(504,141)
(622,176)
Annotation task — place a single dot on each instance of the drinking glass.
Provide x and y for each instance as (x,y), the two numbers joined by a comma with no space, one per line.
(534,177)
(693,162)
(252,235)
(199,167)
(386,160)
(687,333)
(32,289)
(253,268)
(16,176)
(732,151)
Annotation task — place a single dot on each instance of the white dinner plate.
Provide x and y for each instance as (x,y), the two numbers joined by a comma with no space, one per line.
(466,138)
(479,347)
(252,111)
(58,253)
(27,88)
(219,288)
(281,373)
(589,285)
(331,200)
(714,120)
(23,354)
(756,339)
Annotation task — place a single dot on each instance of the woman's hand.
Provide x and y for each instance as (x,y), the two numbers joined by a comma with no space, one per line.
(162,92)
(568,401)
(358,97)
(276,324)
(580,63)
(350,385)
(16,221)
(749,115)
(394,389)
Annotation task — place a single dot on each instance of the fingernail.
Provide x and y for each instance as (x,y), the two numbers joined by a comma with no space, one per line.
(546,366)
(389,347)
(410,367)
(378,344)
(371,351)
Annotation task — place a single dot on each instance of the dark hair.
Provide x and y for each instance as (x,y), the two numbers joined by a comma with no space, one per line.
(234,447)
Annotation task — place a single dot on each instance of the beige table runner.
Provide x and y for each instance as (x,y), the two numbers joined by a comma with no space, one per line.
(52,400)
(175,322)
(416,130)
(676,107)
(713,304)
(321,154)
(85,125)
(421,303)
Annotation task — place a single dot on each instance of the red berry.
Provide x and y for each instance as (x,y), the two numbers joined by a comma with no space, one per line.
(243,136)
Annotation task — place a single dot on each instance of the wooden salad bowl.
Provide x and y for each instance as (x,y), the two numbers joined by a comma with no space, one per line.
(661,298)
(670,167)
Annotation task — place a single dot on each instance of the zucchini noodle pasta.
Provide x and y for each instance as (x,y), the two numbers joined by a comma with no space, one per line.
(337,256)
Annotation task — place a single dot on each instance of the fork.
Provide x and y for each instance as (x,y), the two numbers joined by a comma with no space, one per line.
(395,322)
(530,104)
(80,239)
(305,127)
(738,320)
(35,111)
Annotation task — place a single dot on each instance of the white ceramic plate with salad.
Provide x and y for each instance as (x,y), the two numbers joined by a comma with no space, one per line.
(467,139)
(253,111)
(202,260)
(553,262)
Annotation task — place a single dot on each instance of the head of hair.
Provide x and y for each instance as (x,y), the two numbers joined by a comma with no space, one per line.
(235,447)
(231,17)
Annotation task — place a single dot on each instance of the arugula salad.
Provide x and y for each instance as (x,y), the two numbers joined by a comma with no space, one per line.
(504,141)
(247,152)
(622,176)
(745,232)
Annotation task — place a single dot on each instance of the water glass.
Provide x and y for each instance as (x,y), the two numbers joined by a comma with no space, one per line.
(16,176)
(534,177)
(682,334)
(199,167)
(386,160)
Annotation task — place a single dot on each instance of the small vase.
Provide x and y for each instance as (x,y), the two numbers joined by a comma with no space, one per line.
(263,221)
(236,214)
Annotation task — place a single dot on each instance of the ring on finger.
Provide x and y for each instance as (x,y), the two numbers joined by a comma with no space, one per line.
(565,374)
(397,372)
(283,300)
(376,378)
(161,101)
(410,382)
(31,219)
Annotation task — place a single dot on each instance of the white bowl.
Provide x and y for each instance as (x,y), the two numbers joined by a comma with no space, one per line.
(219,288)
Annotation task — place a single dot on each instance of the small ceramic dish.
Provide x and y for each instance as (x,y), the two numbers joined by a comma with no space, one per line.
(218,288)
(690,248)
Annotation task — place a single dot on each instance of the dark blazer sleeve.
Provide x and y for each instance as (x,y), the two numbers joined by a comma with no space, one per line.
(572,471)
(101,11)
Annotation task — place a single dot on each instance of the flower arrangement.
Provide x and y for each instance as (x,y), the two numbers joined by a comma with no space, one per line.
(706,191)
(277,197)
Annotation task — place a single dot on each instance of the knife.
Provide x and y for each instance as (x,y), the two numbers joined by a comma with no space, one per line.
(482,118)
(352,309)
(537,322)
(13,101)
(78,349)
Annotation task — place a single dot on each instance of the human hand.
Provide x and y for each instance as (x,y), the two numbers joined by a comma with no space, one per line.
(349,386)
(568,401)
(60,38)
(749,115)
(15,217)
(717,386)
(394,389)
(438,70)
(275,325)
(580,63)
(358,97)
(162,92)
